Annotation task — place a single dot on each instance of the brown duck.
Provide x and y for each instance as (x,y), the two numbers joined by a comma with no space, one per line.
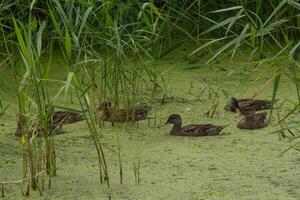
(247,105)
(65,117)
(253,120)
(192,130)
(59,119)
(123,115)
(250,119)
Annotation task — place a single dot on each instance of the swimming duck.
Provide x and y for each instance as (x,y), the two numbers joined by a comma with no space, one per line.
(250,119)
(192,130)
(35,128)
(66,117)
(253,120)
(59,119)
(247,105)
(123,115)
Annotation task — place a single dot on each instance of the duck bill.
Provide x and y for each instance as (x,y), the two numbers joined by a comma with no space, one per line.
(166,123)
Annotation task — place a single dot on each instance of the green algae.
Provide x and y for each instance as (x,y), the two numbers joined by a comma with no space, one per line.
(240,164)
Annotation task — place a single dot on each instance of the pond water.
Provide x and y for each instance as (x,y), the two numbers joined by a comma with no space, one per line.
(239,164)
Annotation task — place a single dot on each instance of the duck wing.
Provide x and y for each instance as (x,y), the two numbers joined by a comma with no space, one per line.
(261,116)
(132,114)
(256,121)
(254,105)
(201,130)
(64,117)
(249,105)
(244,105)
(141,112)
(121,115)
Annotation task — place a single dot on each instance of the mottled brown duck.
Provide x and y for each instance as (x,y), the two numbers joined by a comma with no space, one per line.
(66,117)
(253,120)
(247,105)
(34,127)
(59,119)
(193,129)
(123,115)
(250,119)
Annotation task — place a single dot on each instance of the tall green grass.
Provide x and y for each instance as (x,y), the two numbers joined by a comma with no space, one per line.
(110,49)
(34,104)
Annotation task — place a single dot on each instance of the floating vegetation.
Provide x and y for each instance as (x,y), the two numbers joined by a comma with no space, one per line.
(149,59)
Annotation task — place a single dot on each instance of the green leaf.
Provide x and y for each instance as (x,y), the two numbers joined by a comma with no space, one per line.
(170,49)
(234,20)
(32,4)
(68,109)
(39,37)
(275,89)
(68,45)
(154,9)
(295,52)
(20,39)
(68,83)
(275,11)
(55,23)
(208,44)
(294,4)
(223,23)
(84,19)
(227,9)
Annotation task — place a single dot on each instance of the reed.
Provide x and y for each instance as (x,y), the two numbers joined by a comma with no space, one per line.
(34,104)
(110,50)
(136,169)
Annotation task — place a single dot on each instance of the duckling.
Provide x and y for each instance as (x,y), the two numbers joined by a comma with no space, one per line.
(123,115)
(192,130)
(250,119)
(248,105)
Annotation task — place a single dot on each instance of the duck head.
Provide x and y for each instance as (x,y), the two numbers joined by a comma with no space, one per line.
(233,104)
(174,119)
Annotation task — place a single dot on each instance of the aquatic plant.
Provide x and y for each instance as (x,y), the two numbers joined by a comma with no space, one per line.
(33,102)
(136,169)
(110,49)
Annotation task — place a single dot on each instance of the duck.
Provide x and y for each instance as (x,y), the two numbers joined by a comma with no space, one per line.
(66,117)
(250,119)
(253,120)
(123,115)
(34,128)
(59,118)
(247,105)
(193,129)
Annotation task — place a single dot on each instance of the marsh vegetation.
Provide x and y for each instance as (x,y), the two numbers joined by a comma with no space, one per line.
(119,69)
